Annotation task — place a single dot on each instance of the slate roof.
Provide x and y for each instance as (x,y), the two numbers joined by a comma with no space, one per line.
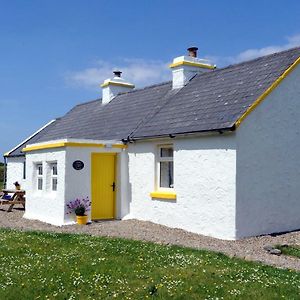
(217,99)
(33,139)
(113,121)
(214,100)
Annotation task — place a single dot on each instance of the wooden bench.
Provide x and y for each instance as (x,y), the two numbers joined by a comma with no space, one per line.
(17,198)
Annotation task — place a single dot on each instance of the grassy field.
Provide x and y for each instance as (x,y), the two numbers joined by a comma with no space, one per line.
(290,250)
(61,266)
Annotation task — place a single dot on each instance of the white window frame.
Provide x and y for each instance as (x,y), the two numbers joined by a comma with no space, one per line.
(54,176)
(39,176)
(160,159)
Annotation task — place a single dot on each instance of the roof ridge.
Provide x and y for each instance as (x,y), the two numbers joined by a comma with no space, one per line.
(222,104)
(132,91)
(201,74)
(246,62)
(88,102)
(147,87)
(215,101)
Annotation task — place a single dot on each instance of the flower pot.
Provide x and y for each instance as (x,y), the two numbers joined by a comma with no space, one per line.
(82,220)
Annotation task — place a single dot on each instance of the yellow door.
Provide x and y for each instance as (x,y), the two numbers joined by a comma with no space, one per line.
(103,186)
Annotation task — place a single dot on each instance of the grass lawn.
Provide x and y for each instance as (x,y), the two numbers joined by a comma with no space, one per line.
(60,266)
(290,250)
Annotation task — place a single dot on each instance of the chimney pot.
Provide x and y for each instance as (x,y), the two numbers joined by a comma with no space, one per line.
(111,87)
(117,73)
(192,51)
(187,66)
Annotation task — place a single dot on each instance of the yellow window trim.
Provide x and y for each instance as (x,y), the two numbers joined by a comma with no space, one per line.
(117,84)
(267,92)
(192,64)
(163,195)
(68,144)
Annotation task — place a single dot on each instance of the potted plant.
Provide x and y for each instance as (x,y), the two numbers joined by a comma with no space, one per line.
(80,207)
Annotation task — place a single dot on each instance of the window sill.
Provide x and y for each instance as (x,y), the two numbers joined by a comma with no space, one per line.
(163,195)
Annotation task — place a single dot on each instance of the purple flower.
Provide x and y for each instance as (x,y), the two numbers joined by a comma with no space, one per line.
(74,204)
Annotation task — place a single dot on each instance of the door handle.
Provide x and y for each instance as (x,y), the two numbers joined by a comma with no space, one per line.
(113,186)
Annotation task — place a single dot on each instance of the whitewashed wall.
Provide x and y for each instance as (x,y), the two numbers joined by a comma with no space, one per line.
(78,182)
(14,171)
(268,163)
(49,206)
(204,180)
(45,205)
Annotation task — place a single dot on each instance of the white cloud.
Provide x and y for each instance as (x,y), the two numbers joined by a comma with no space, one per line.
(138,71)
(291,41)
(143,72)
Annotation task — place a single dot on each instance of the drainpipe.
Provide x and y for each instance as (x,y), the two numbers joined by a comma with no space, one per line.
(5,171)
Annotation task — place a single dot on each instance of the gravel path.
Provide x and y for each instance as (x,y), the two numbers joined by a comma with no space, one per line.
(249,249)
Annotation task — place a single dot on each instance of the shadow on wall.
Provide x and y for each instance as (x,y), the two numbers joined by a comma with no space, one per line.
(172,201)
(215,141)
(126,189)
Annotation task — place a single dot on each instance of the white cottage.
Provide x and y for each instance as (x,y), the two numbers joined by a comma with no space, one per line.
(214,151)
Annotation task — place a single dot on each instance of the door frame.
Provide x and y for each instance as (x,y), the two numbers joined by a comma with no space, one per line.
(114,154)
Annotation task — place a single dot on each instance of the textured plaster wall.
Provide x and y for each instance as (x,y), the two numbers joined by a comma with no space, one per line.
(204,180)
(15,172)
(268,163)
(78,182)
(49,206)
(45,205)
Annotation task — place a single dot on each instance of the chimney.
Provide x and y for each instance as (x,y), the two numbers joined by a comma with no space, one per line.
(185,67)
(113,86)
(192,51)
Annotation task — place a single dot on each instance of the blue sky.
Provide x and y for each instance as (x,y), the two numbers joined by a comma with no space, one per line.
(54,54)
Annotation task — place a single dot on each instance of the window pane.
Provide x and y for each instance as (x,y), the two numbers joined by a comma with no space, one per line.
(166,152)
(40,183)
(54,169)
(166,174)
(54,184)
(40,169)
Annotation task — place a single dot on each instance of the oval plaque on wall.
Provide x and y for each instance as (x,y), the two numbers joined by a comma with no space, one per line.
(78,165)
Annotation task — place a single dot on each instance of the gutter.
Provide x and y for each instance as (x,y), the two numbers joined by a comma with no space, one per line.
(130,139)
(15,155)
